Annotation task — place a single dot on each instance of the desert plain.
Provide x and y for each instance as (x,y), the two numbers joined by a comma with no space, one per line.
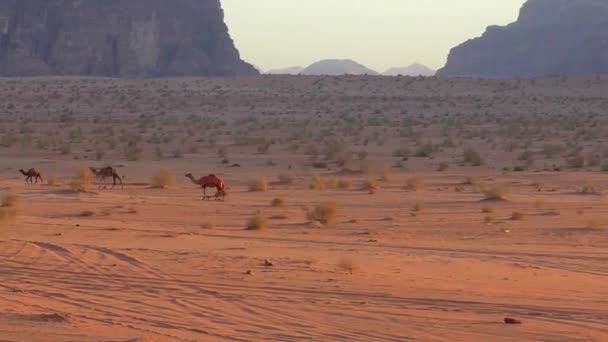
(357,209)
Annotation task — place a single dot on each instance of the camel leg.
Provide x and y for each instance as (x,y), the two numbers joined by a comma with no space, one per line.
(41,180)
(120,180)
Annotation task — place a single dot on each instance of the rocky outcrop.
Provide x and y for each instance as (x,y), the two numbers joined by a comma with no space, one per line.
(415,69)
(550,37)
(337,67)
(117,38)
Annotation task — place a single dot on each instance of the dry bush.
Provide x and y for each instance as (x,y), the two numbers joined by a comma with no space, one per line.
(538,186)
(344,184)
(417,208)
(10,201)
(208,225)
(257,222)
(82,180)
(163,179)
(589,188)
(596,224)
(132,210)
(487,209)
(518,216)
(472,180)
(415,184)
(495,192)
(258,185)
(489,219)
(470,156)
(347,265)
(278,203)
(324,212)
(386,173)
(442,167)
(317,182)
(371,185)
(87,213)
(53,180)
(286,179)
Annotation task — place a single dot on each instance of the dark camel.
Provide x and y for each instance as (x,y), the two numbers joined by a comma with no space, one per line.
(107,172)
(211,181)
(31,175)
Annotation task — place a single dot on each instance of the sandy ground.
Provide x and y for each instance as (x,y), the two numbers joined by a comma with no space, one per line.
(429,265)
(144,267)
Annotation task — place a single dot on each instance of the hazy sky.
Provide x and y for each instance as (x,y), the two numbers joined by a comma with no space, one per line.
(377,33)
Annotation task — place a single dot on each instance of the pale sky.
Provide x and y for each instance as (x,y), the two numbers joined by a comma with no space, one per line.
(377,33)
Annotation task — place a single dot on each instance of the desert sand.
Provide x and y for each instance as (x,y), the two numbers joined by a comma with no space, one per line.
(434,237)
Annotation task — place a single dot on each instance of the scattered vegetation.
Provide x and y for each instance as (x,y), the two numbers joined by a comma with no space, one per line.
(518,216)
(163,179)
(415,184)
(258,185)
(325,213)
(257,222)
(278,203)
(495,192)
(10,201)
(82,180)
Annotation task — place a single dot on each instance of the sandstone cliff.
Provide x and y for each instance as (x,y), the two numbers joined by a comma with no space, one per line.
(117,38)
(551,37)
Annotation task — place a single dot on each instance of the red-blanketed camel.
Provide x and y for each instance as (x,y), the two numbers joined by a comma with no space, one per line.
(211,181)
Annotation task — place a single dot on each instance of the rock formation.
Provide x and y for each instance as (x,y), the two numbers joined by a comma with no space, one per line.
(550,37)
(415,69)
(116,38)
(337,67)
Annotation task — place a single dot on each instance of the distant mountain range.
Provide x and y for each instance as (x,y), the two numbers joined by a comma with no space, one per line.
(415,69)
(350,67)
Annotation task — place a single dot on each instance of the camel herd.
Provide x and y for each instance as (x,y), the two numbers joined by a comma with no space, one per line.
(211,181)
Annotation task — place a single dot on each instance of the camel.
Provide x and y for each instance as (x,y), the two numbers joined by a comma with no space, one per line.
(210,181)
(31,175)
(106,172)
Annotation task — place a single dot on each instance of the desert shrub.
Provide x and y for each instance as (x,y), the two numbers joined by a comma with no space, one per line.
(208,225)
(472,157)
(258,185)
(415,184)
(386,173)
(278,203)
(589,188)
(286,179)
(82,180)
(424,151)
(53,180)
(163,179)
(367,166)
(596,224)
(319,165)
(489,219)
(402,153)
(495,192)
(487,209)
(257,222)
(317,182)
(442,167)
(347,265)
(133,152)
(344,184)
(518,216)
(604,166)
(10,201)
(576,162)
(472,180)
(371,185)
(417,207)
(87,213)
(324,212)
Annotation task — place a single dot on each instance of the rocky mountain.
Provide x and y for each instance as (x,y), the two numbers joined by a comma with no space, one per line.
(415,69)
(286,71)
(116,38)
(550,37)
(337,67)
